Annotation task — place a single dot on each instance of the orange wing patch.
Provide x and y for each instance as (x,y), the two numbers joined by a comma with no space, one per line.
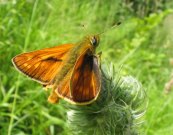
(63,90)
(85,81)
(42,65)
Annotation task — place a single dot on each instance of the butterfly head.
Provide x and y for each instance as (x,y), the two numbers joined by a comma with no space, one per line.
(94,40)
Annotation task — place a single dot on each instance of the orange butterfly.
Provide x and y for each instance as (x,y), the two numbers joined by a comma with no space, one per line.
(71,70)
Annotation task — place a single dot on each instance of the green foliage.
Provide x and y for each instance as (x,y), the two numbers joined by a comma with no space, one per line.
(142,45)
(143,8)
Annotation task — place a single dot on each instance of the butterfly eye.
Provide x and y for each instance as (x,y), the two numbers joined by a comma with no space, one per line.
(94,41)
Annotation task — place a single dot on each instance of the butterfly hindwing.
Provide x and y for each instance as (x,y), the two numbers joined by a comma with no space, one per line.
(85,81)
(42,65)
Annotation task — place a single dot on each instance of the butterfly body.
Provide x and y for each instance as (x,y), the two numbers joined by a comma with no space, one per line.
(75,52)
(71,70)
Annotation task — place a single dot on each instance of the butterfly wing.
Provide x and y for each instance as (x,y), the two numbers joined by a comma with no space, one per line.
(82,84)
(85,82)
(42,65)
(63,90)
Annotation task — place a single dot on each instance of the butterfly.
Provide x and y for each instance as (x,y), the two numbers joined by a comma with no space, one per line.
(71,70)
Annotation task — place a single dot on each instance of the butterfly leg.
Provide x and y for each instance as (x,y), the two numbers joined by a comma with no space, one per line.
(53,98)
(99,54)
(99,58)
(46,87)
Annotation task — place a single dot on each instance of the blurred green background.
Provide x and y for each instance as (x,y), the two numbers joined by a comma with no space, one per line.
(142,45)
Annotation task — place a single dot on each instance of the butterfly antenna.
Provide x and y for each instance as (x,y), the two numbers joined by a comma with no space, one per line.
(84,27)
(115,25)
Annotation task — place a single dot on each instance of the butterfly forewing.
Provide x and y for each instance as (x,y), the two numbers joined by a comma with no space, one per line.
(42,65)
(85,81)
